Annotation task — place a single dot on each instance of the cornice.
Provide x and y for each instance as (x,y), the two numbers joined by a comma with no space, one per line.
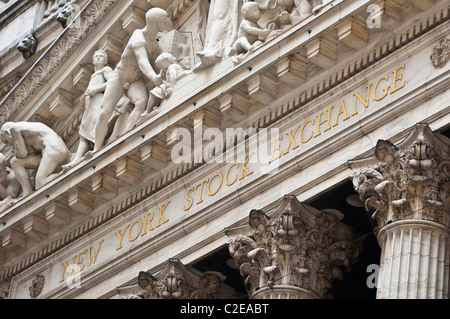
(64,47)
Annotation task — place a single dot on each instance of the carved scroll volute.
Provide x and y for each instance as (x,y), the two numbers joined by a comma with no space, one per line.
(407,181)
(297,248)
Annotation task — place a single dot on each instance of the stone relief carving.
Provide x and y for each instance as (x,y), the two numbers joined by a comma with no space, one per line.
(37,147)
(250,34)
(9,185)
(28,46)
(440,53)
(130,72)
(171,71)
(127,95)
(297,248)
(66,15)
(51,62)
(221,31)
(407,181)
(36,286)
(233,25)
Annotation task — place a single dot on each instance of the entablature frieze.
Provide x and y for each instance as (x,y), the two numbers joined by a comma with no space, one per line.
(251,89)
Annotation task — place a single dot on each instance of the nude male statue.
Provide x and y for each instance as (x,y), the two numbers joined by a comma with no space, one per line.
(133,64)
(9,185)
(35,146)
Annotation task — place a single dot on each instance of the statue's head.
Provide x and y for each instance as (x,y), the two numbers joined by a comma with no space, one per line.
(250,11)
(5,133)
(157,17)
(100,57)
(164,60)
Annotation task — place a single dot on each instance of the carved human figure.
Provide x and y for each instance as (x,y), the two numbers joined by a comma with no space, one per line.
(34,146)
(171,71)
(128,75)
(304,8)
(250,33)
(9,185)
(92,102)
(275,13)
(221,31)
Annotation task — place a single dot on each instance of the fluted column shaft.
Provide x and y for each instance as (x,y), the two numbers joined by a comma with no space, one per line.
(407,186)
(414,261)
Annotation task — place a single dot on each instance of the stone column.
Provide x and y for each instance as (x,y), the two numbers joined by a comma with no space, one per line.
(407,187)
(295,253)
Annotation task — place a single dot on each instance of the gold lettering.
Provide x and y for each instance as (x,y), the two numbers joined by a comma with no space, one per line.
(220,185)
(92,257)
(319,122)
(120,237)
(66,268)
(78,262)
(189,198)
(292,140)
(301,131)
(397,78)
(342,110)
(243,168)
(360,98)
(131,228)
(228,172)
(273,151)
(147,222)
(385,89)
(162,208)
(200,200)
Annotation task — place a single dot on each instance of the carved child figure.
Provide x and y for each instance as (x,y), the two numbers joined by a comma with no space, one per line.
(35,146)
(92,102)
(9,185)
(173,71)
(250,34)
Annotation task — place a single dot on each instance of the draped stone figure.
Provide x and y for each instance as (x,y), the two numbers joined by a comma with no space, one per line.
(91,101)
(131,73)
(221,31)
(35,146)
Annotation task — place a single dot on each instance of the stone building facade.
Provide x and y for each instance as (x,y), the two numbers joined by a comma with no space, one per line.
(235,149)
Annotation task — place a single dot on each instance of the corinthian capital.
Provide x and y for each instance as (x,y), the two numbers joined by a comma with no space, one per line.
(410,180)
(297,250)
(177,281)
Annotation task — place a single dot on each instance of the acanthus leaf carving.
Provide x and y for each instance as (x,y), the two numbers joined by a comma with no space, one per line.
(297,246)
(407,181)
(177,281)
